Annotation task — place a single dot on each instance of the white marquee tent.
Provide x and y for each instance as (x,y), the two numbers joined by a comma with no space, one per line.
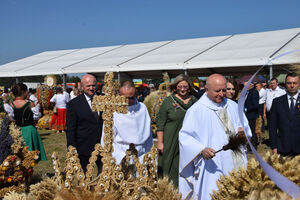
(230,55)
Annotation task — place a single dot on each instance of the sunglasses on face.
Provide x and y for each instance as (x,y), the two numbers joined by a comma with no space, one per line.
(183,87)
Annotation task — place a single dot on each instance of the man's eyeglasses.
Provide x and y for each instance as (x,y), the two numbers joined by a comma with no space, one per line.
(183,87)
(130,98)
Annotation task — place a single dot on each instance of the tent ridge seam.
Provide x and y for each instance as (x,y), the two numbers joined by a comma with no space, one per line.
(284,45)
(145,53)
(93,57)
(208,49)
(46,60)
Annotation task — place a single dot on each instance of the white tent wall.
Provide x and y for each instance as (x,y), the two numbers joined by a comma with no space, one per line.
(11,69)
(229,55)
(58,64)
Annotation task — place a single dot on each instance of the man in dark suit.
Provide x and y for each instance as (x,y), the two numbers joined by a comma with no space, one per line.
(84,127)
(284,126)
(251,107)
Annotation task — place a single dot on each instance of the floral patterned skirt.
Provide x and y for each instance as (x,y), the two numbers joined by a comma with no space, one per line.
(58,121)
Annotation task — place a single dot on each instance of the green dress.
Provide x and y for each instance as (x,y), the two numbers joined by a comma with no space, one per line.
(24,119)
(169,120)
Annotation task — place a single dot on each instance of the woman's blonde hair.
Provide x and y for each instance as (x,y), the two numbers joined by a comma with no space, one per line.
(178,79)
(76,91)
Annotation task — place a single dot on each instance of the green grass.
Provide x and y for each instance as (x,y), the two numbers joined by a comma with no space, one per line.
(52,142)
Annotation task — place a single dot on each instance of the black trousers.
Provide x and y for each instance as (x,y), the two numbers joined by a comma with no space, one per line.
(289,154)
(252,124)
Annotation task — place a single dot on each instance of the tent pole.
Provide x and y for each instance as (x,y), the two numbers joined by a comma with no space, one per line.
(119,78)
(17,80)
(271,71)
(64,76)
(185,72)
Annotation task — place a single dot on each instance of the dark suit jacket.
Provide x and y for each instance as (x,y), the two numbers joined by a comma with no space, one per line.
(287,139)
(83,129)
(200,93)
(252,104)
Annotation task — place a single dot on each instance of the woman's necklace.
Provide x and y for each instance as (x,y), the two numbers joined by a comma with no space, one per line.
(177,105)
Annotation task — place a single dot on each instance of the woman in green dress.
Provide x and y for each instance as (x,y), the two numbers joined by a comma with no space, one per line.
(169,122)
(24,119)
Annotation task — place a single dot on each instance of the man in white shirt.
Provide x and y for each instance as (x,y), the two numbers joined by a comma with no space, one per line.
(273,93)
(133,127)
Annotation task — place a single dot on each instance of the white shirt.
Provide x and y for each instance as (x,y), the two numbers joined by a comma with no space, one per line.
(132,127)
(72,96)
(262,95)
(33,99)
(295,97)
(272,94)
(89,100)
(9,110)
(60,100)
(36,109)
(67,96)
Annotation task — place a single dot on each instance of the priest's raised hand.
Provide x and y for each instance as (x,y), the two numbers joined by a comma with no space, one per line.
(208,153)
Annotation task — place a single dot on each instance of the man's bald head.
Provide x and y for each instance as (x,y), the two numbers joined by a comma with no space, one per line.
(215,78)
(216,87)
(88,84)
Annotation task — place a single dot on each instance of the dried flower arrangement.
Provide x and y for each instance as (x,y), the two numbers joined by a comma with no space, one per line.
(18,163)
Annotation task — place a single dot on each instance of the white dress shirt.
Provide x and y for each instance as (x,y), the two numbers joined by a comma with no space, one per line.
(295,97)
(89,100)
(262,96)
(272,94)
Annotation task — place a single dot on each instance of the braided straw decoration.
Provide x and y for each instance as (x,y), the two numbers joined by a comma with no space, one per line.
(113,177)
(15,133)
(57,170)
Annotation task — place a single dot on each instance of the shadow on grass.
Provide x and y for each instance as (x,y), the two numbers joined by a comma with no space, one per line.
(45,134)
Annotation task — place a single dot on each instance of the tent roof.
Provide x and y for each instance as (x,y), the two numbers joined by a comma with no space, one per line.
(221,54)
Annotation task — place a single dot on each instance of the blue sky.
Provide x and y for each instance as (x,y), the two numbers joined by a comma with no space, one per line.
(28,27)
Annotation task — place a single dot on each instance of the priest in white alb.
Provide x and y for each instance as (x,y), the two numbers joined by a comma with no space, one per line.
(206,128)
(133,127)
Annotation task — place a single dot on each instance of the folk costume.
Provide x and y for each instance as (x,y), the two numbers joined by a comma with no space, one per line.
(24,119)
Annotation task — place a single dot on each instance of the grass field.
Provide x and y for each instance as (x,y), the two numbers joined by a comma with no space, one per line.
(52,142)
(57,142)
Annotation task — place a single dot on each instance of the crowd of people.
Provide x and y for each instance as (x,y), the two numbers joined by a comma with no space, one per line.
(192,124)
